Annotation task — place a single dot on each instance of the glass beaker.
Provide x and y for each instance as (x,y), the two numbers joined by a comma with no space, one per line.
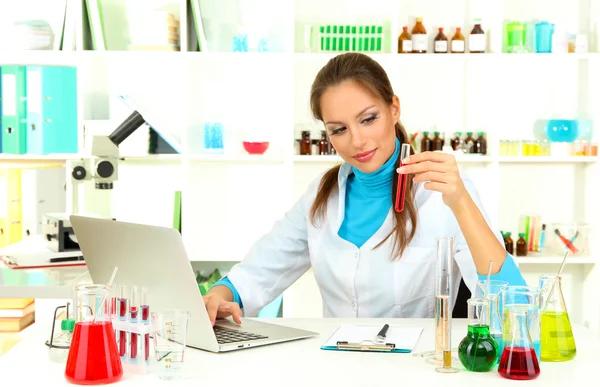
(478,351)
(558,343)
(518,360)
(527,298)
(543,36)
(170,335)
(93,356)
(494,294)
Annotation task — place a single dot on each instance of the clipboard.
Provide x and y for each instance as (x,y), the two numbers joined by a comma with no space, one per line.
(362,338)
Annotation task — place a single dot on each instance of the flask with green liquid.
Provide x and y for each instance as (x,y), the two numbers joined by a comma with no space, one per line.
(478,351)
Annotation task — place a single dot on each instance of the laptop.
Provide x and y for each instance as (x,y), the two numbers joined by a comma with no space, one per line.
(155,257)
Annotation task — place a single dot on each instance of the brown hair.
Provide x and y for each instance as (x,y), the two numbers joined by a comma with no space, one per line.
(366,71)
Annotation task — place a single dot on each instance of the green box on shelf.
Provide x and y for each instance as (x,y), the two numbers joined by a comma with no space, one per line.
(342,38)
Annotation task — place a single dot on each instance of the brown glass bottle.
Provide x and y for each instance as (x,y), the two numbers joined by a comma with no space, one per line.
(477,38)
(470,143)
(305,143)
(456,141)
(419,37)
(481,143)
(457,46)
(324,144)
(521,246)
(438,142)
(440,43)
(509,244)
(426,143)
(404,42)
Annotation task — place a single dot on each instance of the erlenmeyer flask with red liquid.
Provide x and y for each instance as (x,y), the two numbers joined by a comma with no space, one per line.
(519,360)
(93,356)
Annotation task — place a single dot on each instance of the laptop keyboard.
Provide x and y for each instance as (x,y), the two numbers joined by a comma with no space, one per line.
(226,335)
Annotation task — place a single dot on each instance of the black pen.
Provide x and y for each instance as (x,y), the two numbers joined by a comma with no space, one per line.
(382,333)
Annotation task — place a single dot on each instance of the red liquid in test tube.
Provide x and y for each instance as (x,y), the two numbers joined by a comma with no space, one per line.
(402,179)
(146,321)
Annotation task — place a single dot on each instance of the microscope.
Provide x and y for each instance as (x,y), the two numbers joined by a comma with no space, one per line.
(101,170)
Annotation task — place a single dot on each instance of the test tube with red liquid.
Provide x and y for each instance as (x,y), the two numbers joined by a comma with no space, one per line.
(134,309)
(146,321)
(122,316)
(402,179)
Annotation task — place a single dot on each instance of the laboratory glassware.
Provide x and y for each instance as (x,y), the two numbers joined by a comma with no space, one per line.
(478,350)
(557,343)
(402,179)
(443,308)
(145,320)
(493,292)
(123,308)
(170,335)
(93,356)
(519,361)
(133,317)
(527,298)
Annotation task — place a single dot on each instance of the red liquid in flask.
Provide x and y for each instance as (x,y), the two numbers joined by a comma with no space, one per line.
(519,363)
(93,357)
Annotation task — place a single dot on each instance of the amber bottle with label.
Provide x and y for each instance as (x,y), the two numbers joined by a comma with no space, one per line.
(470,143)
(419,37)
(457,46)
(456,141)
(305,143)
(481,143)
(440,43)
(477,38)
(404,42)
(521,246)
(438,142)
(509,244)
(426,143)
(324,144)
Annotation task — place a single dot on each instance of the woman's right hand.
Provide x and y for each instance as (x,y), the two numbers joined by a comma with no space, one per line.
(218,306)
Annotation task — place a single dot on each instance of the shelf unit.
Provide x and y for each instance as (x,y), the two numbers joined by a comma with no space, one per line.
(232,199)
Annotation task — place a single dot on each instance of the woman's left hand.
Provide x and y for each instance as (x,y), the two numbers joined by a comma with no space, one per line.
(439,171)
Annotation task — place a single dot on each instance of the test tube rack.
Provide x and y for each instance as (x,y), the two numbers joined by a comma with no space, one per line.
(142,360)
(336,38)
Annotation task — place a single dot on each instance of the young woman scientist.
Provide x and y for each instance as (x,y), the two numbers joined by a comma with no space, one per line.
(368,259)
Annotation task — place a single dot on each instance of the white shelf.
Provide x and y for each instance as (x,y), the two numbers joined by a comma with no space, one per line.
(535,260)
(235,158)
(318,159)
(548,159)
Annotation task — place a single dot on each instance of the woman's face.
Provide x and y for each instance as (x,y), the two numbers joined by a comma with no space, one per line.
(360,125)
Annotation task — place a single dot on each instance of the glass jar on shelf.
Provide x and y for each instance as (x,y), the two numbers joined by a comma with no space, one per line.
(545,147)
(305,143)
(504,148)
(536,148)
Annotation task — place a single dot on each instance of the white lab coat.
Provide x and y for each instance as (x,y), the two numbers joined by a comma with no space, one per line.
(355,282)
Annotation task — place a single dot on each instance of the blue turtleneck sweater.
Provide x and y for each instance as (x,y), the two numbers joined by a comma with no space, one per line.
(368,202)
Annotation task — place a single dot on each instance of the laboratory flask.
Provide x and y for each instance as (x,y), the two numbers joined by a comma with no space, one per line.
(170,336)
(518,360)
(493,292)
(558,343)
(526,298)
(478,351)
(93,356)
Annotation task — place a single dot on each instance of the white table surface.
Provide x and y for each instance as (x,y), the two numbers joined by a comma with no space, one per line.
(303,363)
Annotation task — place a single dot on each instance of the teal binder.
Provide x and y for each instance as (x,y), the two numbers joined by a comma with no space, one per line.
(14,110)
(363,338)
(51,110)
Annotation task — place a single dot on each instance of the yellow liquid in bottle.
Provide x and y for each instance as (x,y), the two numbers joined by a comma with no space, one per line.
(558,343)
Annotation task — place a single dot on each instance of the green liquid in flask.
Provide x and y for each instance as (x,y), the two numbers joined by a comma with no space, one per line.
(558,343)
(478,351)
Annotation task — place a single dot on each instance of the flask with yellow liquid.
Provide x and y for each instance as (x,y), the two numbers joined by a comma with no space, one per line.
(557,341)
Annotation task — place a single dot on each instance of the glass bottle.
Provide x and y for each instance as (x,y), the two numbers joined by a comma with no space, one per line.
(404,41)
(457,46)
(426,143)
(438,142)
(494,294)
(521,245)
(478,351)
(305,143)
(470,143)
(93,356)
(557,342)
(528,298)
(324,144)
(440,43)
(419,37)
(509,244)
(456,141)
(518,361)
(481,144)
(477,38)
(61,342)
